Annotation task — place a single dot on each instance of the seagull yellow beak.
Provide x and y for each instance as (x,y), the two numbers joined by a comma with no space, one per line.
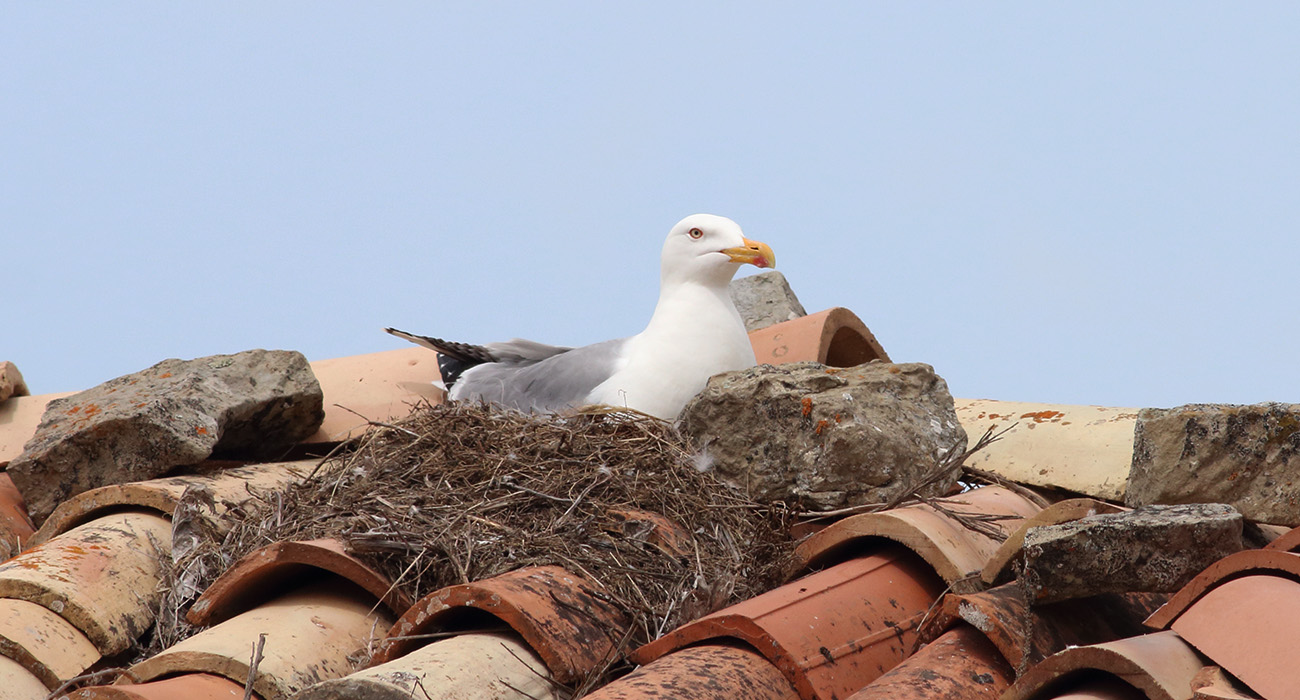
(754,253)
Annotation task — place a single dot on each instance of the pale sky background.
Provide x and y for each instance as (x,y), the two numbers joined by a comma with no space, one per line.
(1089,202)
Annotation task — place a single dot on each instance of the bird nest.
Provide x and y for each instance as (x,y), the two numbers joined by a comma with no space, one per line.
(460,492)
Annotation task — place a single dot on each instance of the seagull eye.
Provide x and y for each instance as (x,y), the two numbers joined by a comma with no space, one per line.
(695,233)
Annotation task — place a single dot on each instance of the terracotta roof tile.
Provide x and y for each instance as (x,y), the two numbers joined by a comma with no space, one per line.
(48,646)
(1160,665)
(1084,449)
(164,495)
(379,387)
(101,576)
(561,616)
(19,683)
(191,686)
(1211,683)
(1104,688)
(1287,542)
(16,527)
(1026,635)
(960,665)
(830,632)
(19,417)
(704,672)
(271,569)
(955,551)
(469,666)
(1247,562)
(310,633)
(1250,626)
(834,337)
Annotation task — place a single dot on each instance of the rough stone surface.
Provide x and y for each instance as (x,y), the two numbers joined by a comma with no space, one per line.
(765,299)
(826,437)
(1154,549)
(1246,456)
(11,381)
(175,413)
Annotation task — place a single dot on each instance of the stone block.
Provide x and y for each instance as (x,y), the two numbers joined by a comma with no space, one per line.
(1153,549)
(1246,456)
(765,299)
(175,413)
(825,437)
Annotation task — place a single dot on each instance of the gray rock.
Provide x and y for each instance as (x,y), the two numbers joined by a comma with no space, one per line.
(826,437)
(1154,549)
(765,299)
(175,413)
(1246,456)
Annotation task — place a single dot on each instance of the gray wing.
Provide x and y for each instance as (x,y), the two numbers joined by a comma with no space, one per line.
(540,377)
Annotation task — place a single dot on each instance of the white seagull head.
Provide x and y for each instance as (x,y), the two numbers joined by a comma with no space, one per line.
(709,249)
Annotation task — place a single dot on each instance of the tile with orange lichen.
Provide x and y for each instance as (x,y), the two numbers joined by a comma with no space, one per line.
(1250,561)
(470,666)
(834,337)
(1025,635)
(48,646)
(101,576)
(998,569)
(960,665)
(264,572)
(1250,626)
(310,634)
(702,673)
(953,549)
(561,615)
(1084,449)
(18,683)
(379,386)
(191,686)
(165,494)
(1160,665)
(830,632)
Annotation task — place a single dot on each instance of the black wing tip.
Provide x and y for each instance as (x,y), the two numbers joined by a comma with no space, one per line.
(453,357)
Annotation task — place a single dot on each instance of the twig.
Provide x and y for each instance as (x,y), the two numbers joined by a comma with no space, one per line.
(512,485)
(92,677)
(252,667)
(578,500)
(544,676)
(1008,484)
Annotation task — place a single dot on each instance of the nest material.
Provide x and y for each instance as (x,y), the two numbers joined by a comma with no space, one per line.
(460,492)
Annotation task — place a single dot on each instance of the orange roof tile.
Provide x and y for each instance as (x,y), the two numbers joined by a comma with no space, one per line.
(562,616)
(830,632)
(954,550)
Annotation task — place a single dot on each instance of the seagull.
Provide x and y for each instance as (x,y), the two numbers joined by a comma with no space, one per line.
(694,333)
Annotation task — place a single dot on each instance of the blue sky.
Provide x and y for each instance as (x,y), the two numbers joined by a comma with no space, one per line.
(1087,203)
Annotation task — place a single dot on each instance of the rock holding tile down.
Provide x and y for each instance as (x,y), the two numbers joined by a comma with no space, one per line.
(1247,456)
(765,299)
(826,437)
(175,413)
(1153,549)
